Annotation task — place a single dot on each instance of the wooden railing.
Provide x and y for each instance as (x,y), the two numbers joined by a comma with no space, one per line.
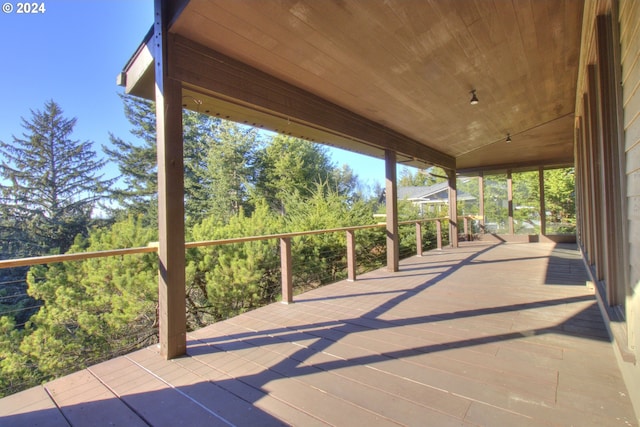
(285,249)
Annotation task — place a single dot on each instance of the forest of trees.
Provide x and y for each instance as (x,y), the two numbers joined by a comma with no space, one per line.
(238,182)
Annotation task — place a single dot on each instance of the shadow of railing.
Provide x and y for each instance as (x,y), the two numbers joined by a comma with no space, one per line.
(313,341)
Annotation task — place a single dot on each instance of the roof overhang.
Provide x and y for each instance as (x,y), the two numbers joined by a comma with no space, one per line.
(375,76)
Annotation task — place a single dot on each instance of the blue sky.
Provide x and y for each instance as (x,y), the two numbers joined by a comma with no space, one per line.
(72,54)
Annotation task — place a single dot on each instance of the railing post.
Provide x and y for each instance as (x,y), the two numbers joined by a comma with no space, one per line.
(419,238)
(510,201)
(439,233)
(351,256)
(466,229)
(286,270)
(543,209)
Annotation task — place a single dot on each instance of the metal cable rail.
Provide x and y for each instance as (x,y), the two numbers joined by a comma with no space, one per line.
(153,246)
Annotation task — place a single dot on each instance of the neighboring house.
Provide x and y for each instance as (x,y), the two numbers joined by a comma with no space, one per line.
(431,199)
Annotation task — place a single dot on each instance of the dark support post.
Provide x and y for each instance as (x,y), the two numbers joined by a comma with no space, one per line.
(481,200)
(612,165)
(543,208)
(439,233)
(467,235)
(286,270)
(418,238)
(453,209)
(597,202)
(171,281)
(510,200)
(393,253)
(351,256)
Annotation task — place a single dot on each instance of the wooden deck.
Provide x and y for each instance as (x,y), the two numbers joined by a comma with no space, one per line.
(491,335)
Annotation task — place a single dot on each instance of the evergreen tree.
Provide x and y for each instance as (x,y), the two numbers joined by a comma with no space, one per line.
(321,258)
(137,162)
(346,182)
(198,130)
(290,164)
(224,281)
(526,202)
(230,169)
(93,309)
(53,184)
(411,177)
(560,200)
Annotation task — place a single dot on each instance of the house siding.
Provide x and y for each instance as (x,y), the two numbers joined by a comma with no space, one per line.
(629,21)
(608,171)
(629,18)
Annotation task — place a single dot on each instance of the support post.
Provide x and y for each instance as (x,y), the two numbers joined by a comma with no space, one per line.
(351,256)
(613,163)
(510,201)
(171,255)
(543,207)
(419,238)
(481,200)
(453,209)
(393,253)
(597,202)
(467,236)
(439,233)
(286,270)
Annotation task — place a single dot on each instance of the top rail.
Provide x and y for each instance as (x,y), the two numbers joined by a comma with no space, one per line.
(153,247)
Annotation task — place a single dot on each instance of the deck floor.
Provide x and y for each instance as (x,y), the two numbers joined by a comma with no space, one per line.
(489,335)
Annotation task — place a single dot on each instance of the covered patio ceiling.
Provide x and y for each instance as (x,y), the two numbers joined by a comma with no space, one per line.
(373,75)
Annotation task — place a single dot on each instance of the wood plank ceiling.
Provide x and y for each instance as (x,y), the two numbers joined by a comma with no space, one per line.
(409,65)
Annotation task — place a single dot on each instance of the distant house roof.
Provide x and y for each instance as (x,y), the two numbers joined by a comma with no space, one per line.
(437,193)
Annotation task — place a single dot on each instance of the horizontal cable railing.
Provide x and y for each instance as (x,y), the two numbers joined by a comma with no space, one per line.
(153,246)
(224,278)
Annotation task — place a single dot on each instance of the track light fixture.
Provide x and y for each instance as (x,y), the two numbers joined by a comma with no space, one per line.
(508,138)
(474,98)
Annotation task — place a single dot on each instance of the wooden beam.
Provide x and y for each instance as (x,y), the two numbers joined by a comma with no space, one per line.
(587,182)
(467,235)
(286,270)
(481,200)
(393,242)
(418,239)
(510,200)
(220,76)
(614,218)
(351,256)
(594,172)
(171,255)
(453,209)
(543,208)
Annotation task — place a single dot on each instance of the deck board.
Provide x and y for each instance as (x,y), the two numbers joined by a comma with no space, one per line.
(483,335)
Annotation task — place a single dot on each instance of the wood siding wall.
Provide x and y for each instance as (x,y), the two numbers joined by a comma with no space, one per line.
(608,171)
(630,58)
(629,18)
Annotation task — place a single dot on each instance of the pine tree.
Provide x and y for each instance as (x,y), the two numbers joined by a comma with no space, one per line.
(224,281)
(53,184)
(230,169)
(410,177)
(93,309)
(137,162)
(289,165)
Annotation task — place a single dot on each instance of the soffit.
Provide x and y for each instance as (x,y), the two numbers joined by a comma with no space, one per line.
(409,65)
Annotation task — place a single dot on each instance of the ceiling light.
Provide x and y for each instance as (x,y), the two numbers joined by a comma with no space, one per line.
(508,138)
(474,98)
